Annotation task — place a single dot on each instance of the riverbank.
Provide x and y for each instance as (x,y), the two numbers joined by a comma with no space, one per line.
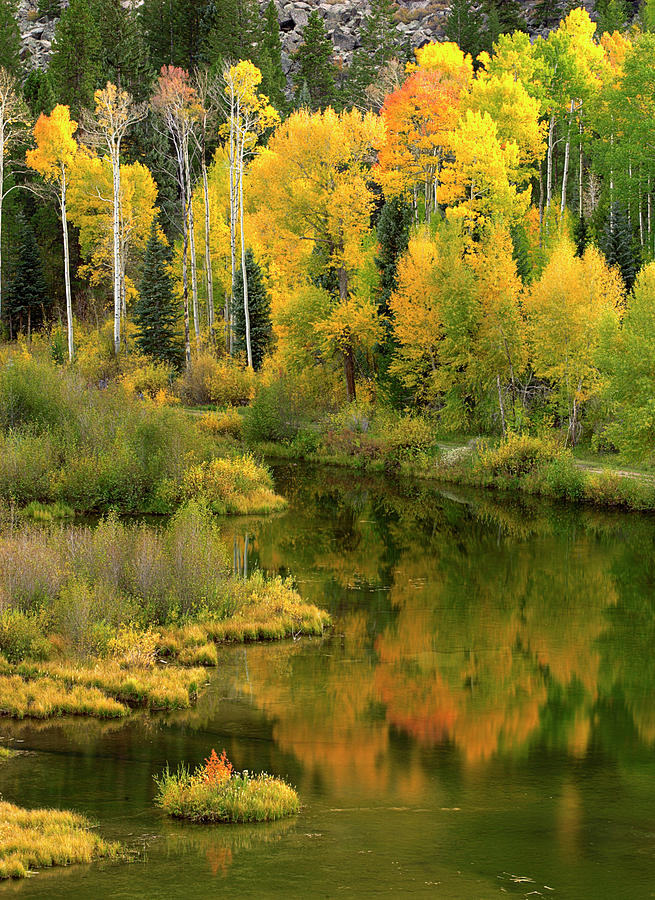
(519,465)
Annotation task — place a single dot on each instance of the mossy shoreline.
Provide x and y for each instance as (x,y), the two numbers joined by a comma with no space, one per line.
(606,488)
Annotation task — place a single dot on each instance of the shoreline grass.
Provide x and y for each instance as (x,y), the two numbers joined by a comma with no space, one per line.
(40,838)
(216,793)
(607,488)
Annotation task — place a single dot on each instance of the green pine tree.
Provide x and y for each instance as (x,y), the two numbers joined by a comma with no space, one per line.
(9,38)
(314,66)
(464,26)
(123,51)
(614,16)
(619,245)
(547,13)
(503,17)
(379,44)
(259,306)
(581,235)
(50,8)
(75,67)
(235,32)
(155,313)
(521,252)
(393,237)
(38,93)
(274,81)
(647,15)
(27,291)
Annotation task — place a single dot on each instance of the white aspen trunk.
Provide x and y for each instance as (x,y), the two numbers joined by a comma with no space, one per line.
(630,192)
(640,200)
(648,216)
(185,288)
(246,308)
(612,188)
(208,257)
(567,154)
(549,161)
(580,166)
(67,278)
(116,225)
(2,196)
(194,272)
(229,301)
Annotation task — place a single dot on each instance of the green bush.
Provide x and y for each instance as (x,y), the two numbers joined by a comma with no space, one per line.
(563,480)
(22,635)
(519,454)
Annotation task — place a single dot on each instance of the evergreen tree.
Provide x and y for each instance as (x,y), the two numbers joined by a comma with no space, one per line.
(581,235)
(259,306)
(234,34)
(379,43)
(614,16)
(75,67)
(503,17)
(50,8)
(27,291)
(464,26)
(547,13)
(619,247)
(155,314)
(393,237)
(521,252)
(123,51)
(38,93)
(274,80)
(9,38)
(315,69)
(647,15)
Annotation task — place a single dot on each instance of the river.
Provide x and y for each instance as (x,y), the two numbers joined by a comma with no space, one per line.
(480,720)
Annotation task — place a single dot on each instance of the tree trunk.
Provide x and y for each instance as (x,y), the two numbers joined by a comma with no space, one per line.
(501,406)
(549,161)
(192,246)
(567,154)
(580,167)
(349,370)
(2,197)
(67,277)
(244,274)
(208,258)
(229,301)
(185,287)
(116,227)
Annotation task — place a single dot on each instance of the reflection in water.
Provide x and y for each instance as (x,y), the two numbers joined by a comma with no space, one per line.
(479,721)
(485,627)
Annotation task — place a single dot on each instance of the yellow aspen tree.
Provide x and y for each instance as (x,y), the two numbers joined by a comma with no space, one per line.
(53,157)
(566,309)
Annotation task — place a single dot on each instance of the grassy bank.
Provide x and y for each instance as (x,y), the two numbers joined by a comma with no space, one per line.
(216,793)
(521,464)
(96,621)
(40,838)
(66,445)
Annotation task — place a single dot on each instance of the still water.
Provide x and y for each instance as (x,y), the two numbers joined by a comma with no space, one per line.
(479,722)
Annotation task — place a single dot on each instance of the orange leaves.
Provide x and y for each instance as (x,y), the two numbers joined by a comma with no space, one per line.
(218,769)
(55,145)
(175,95)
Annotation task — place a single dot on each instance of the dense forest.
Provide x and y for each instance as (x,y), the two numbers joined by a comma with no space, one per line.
(464,231)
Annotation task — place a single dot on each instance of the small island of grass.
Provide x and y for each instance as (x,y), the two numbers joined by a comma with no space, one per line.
(216,793)
(39,838)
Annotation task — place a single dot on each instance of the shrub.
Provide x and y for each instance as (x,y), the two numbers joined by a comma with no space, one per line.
(216,793)
(238,485)
(149,378)
(132,646)
(519,454)
(407,438)
(22,635)
(224,422)
(286,405)
(563,480)
(209,380)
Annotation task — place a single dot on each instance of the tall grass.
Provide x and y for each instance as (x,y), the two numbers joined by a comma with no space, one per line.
(218,794)
(38,838)
(67,444)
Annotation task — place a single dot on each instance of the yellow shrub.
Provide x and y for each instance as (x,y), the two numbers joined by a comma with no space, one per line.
(134,647)
(226,422)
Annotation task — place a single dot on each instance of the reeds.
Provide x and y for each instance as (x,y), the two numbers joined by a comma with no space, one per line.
(215,793)
(40,838)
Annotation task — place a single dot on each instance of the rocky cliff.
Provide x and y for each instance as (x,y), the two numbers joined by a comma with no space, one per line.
(417,22)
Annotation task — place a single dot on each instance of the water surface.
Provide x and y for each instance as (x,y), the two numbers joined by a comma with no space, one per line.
(480,721)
